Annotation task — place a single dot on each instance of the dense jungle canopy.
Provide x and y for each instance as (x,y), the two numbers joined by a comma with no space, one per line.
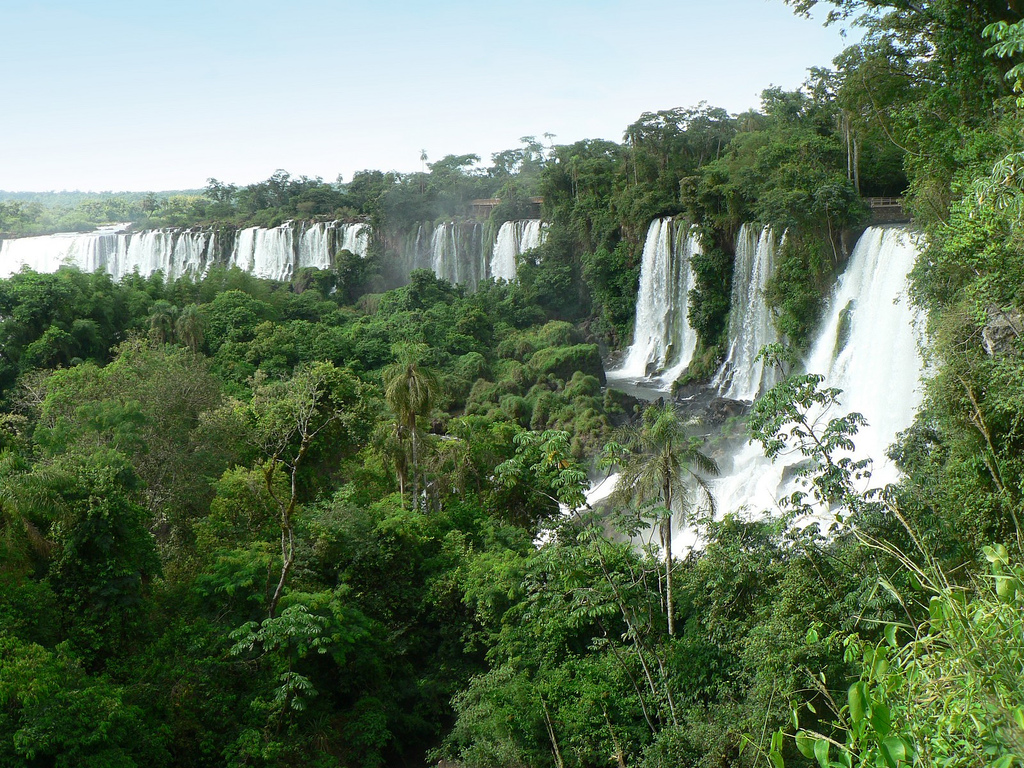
(334,522)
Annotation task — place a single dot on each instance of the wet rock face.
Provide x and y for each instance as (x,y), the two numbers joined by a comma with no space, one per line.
(1002,332)
(721,409)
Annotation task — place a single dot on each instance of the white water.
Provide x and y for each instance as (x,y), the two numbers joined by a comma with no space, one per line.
(444,253)
(460,254)
(268,253)
(867,347)
(422,256)
(663,342)
(272,253)
(316,241)
(743,376)
(514,239)
(175,252)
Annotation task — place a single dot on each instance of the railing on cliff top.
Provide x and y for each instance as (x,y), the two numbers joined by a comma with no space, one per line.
(887,210)
(481,208)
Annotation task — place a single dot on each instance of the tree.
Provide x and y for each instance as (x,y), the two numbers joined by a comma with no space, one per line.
(104,559)
(162,321)
(150,404)
(663,468)
(410,390)
(286,417)
(23,495)
(189,328)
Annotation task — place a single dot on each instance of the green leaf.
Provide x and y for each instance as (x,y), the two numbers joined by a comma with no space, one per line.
(1006,761)
(893,750)
(880,665)
(880,718)
(997,555)
(821,748)
(1005,588)
(858,701)
(805,743)
(890,634)
(812,636)
(775,753)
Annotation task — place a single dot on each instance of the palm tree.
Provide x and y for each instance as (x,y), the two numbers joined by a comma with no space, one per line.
(189,327)
(410,390)
(161,322)
(388,444)
(28,502)
(660,463)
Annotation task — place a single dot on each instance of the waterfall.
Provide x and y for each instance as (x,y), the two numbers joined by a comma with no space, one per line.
(267,253)
(458,253)
(49,253)
(444,253)
(319,242)
(272,253)
(663,342)
(867,346)
(514,239)
(315,245)
(463,252)
(174,252)
(422,248)
(354,238)
(742,376)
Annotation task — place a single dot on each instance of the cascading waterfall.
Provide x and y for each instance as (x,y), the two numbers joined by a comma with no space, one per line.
(319,240)
(444,253)
(175,253)
(271,253)
(464,252)
(268,253)
(354,238)
(314,245)
(458,252)
(868,348)
(49,253)
(514,239)
(663,342)
(743,376)
(417,252)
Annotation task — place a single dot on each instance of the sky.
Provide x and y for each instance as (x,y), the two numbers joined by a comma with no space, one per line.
(110,95)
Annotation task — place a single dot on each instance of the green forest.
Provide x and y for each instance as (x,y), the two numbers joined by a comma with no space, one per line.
(332,522)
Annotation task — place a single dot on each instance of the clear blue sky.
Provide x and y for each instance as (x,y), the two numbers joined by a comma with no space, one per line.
(154,95)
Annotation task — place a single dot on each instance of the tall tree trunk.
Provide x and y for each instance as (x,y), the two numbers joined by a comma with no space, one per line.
(619,757)
(559,762)
(415,471)
(849,147)
(856,164)
(666,538)
(287,513)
